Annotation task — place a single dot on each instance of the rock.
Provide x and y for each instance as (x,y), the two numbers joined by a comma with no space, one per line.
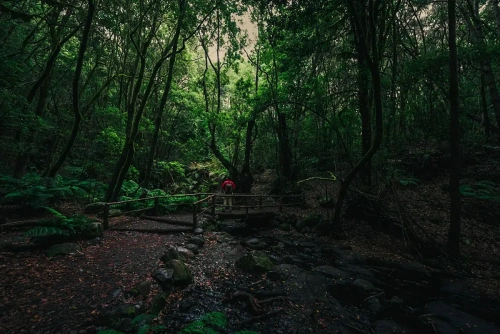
(223,237)
(171,254)
(95,242)
(64,249)
(197,240)
(357,271)
(374,306)
(96,207)
(185,253)
(460,321)
(126,325)
(193,248)
(182,274)
(312,220)
(198,231)
(332,272)
(95,230)
(254,243)
(396,301)
(255,262)
(126,311)
(140,307)
(387,327)
(116,293)
(164,278)
(364,287)
(143,288)
(158,303)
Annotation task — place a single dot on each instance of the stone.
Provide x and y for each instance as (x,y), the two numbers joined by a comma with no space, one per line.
(96,207)
(254,243)
(143,288)
(126,311)
(164,278)
(312,220)
(332,272)
(94,230)
(171,254)
(140,307)
(158,303)
(254,262)
(197,240)
(182,274)
(374,306)
(193,248)
(198,231)
(185,253)
(95,242)
(126,325)
(64,249)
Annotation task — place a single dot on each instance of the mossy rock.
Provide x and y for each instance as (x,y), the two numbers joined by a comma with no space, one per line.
(158,303)
(255,262)
(182,274)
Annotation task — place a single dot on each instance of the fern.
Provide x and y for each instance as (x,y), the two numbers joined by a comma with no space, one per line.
(54,212)
(485,190)
(44,231)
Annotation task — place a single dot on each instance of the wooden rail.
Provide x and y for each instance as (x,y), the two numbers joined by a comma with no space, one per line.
(197,206)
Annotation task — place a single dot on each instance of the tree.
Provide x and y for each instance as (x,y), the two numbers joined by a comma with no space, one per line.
(455,202)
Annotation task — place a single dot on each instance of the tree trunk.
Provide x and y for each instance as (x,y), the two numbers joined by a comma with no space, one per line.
(76,80)
(496,10)
(164,98)
(373,64)
(455,201)
(484,107)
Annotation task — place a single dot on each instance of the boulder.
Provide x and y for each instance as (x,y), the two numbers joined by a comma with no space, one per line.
(158,303)
(164,278)
(96,207)
(142,289)
(93,231)
(182,275)
(64,249)
(185,253)
(254,243)
(171,254)
(193,248)
(255,262)
(197,240)
(198,231)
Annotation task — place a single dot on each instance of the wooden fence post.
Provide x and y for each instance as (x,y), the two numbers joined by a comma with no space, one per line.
(156,211)
(195,223)
(198,197)
(105,217)
(214,200)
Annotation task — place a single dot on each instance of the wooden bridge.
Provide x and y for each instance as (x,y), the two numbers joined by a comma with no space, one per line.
(244,206)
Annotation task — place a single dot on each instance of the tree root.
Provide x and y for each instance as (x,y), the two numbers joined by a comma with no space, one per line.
(259,317)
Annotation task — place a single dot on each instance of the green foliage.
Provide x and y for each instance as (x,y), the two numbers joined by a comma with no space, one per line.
(486,190)
(206,324)
(109,331)
(60,225)
(35,191)
(143,330)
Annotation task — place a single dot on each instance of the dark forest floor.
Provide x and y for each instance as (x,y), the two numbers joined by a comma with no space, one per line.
(439,294)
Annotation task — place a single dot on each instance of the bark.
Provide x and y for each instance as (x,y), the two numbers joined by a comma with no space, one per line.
(495,5)
(75,89)
(372,60)
(455,201)
(484,107)
(475,25)
(168,84)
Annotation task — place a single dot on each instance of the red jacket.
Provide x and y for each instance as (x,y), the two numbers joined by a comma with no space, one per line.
(230,183)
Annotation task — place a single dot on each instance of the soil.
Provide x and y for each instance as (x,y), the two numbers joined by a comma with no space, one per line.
(70,294)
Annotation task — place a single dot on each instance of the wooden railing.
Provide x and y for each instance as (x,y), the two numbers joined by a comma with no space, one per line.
(197,207)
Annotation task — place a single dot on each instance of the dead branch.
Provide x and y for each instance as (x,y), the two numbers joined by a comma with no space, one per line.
(254,305)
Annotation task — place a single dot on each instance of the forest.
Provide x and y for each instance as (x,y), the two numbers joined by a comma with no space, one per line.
(363,137)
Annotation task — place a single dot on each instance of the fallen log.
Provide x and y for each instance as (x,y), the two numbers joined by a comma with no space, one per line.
(22,223)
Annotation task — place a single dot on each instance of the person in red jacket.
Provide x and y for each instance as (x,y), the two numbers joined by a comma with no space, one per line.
(228,187)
